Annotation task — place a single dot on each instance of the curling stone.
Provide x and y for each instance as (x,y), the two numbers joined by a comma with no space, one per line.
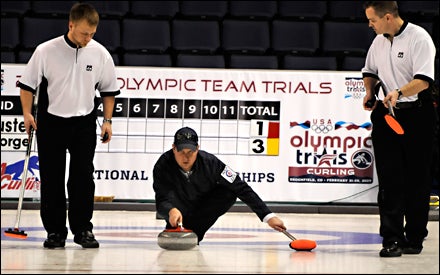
(178,238)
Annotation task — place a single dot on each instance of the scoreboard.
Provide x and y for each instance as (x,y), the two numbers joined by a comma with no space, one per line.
(225,126)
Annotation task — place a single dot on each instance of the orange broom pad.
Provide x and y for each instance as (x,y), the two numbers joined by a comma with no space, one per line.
(394,124)
(15,233)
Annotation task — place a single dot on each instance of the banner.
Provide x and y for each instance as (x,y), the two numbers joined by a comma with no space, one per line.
(294,136)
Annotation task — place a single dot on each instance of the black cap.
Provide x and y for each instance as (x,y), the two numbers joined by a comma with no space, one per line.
(186,138)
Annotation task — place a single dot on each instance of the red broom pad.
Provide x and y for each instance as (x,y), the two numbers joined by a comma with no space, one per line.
(394,124)
(15,233)
(300,244)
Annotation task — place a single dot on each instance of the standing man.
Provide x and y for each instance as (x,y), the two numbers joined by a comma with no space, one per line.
(68,70)
(195,188)
(402,58)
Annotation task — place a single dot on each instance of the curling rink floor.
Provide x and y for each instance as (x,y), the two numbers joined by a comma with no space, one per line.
(237,243)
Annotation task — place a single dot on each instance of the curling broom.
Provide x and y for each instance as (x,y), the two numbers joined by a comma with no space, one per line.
(16,232)
(390,118)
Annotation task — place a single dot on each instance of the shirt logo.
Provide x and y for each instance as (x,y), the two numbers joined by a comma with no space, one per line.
(400,55)
(228,174)
(89,68)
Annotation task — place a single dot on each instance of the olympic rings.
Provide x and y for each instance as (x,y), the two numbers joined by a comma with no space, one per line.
(322,128)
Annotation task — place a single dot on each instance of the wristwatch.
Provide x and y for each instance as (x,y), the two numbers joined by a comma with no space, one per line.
(109,120)
(400,93)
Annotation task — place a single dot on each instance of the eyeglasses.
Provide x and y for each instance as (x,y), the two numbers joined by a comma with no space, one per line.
(186,136)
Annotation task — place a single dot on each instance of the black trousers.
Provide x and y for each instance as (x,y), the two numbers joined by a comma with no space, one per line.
(56,136)
(207,211)
(403,165)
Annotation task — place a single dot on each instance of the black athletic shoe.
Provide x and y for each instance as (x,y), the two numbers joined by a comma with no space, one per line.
(391,250)
(54,240)
(86,239)
(412,249)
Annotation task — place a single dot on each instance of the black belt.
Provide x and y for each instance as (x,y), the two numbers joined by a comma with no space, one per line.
(409,105)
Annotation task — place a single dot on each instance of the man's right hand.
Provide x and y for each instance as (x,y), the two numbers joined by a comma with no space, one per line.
(175,217)
(29,122)
(369,103)
(276,223)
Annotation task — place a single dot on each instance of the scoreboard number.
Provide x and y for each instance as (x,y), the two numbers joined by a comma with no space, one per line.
(264,137)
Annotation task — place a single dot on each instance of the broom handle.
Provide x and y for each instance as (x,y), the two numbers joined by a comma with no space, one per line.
(391,110)
(26,162)
(289,235)
(24,178)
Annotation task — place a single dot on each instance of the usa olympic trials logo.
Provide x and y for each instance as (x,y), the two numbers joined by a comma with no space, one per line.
(327,126)
(354,88)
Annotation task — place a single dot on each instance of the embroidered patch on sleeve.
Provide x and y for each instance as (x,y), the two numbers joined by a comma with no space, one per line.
(228,174)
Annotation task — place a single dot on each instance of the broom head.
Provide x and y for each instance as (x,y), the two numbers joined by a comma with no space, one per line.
(15,233)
